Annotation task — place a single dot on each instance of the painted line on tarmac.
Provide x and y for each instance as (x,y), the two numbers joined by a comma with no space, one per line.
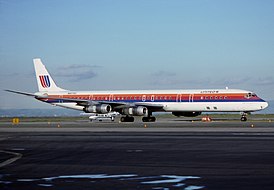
(17,156)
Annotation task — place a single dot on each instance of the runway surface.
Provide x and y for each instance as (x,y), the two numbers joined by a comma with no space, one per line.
(164,155)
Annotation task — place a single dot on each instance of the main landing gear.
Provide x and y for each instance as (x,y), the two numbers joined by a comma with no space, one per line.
(128,118)
(131,119)
(149,119)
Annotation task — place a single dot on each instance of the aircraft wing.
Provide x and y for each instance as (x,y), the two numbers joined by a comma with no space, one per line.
(89,102)
(115,105)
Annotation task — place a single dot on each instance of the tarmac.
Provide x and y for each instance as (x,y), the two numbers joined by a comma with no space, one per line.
(172,154)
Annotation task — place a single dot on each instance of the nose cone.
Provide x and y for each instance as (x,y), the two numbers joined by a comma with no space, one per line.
(264,105)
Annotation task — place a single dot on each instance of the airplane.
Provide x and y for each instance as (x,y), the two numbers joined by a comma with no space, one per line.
(130,103)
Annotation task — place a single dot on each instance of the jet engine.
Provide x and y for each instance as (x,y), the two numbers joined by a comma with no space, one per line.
(186,114)
(135,111)
(100,108)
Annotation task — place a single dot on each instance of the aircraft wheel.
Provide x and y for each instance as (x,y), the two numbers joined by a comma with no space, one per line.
(152,119)
(131,119)
(127,119)
(243,118)
(149,119)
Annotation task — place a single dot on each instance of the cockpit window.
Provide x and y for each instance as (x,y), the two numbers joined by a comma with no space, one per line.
(250,95)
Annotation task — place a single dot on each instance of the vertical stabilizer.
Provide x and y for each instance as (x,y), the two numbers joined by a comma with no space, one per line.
(44,80)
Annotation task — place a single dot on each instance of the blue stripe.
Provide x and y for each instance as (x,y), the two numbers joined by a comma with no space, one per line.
(46,77)
(160,101)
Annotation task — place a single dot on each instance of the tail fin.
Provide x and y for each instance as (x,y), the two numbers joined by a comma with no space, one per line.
(44,80)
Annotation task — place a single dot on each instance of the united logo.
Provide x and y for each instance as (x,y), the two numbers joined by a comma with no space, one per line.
(45,82)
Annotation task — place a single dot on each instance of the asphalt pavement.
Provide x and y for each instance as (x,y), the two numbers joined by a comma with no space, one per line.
(184,155)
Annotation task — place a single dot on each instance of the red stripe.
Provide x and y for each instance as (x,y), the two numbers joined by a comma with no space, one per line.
(42,81)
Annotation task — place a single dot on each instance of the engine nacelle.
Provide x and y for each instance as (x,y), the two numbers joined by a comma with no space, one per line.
(135,111)
(186,114)
(100,108)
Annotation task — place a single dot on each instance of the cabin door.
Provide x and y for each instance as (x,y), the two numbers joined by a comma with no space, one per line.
(111,97)
(61,99)
(191,98)
(179,98)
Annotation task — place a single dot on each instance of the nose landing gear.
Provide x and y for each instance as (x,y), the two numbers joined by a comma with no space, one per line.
(244,118)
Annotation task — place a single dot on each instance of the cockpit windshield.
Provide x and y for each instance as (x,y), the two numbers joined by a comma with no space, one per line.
(250,95)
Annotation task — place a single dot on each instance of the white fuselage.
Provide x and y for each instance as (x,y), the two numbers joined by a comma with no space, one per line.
(227,100)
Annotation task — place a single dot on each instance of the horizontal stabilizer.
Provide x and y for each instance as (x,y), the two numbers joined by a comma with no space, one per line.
(22,93)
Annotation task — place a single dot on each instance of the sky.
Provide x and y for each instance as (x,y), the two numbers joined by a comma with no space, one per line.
(130,44)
